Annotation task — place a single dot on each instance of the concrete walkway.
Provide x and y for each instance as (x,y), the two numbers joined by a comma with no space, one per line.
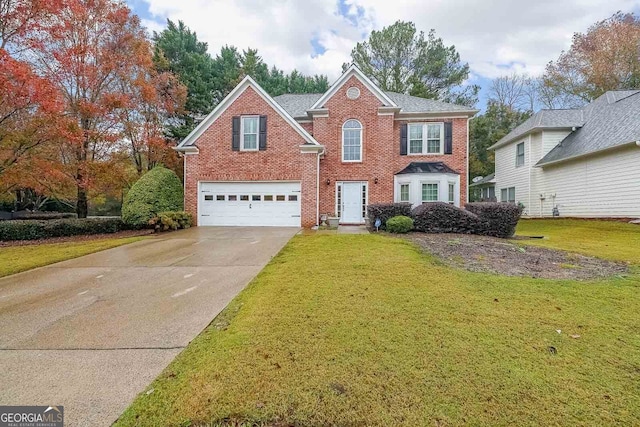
(91,333)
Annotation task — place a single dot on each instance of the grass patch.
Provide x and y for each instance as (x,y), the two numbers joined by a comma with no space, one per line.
(612,240)
(21,258)
(367,330)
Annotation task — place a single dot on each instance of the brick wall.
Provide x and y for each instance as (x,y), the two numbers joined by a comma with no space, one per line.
(381,157)
(282,160)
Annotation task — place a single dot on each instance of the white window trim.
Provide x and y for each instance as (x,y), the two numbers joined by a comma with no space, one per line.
(507,190)
(437,183)
(424,139)
(449,184)
(242,133)
(523,154)
(399,198)
(361,141)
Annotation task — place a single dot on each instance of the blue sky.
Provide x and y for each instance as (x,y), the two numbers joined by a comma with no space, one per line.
(495,38)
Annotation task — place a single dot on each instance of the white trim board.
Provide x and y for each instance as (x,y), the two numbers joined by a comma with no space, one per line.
(353,71)
(230,99)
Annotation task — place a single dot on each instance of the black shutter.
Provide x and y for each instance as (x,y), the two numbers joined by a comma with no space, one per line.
(403,140)
(235,133)
(263,133)
(448,138)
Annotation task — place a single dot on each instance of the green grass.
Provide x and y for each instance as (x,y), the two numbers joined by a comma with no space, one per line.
(21,258)
(351,330)
(612,240)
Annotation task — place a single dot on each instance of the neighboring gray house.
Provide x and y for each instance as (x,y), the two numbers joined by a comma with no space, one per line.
(584,162)
(484,189)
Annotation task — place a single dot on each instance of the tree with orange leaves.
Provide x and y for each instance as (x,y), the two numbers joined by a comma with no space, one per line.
(606,57)
(96,54)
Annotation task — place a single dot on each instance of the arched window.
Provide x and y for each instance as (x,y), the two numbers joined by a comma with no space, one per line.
(352,141)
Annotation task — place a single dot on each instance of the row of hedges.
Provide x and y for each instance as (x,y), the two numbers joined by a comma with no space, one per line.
(489,219)
(44,229)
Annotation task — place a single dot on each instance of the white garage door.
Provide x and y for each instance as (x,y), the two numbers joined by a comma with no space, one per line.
(250,203)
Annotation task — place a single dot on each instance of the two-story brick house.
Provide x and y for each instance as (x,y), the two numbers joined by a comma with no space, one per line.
(283,161)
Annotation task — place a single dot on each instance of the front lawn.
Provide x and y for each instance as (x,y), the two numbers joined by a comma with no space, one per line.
(368,330)
(605,239)
(21,258)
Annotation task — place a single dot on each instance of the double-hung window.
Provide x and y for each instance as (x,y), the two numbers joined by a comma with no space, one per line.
(352,141)
(520,154)
(508,195)
(430,192)
(452,193)
(249,133)
(426,138)
(404,192)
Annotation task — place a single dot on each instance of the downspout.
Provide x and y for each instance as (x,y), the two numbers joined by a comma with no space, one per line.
(318,188)
(530,172)
(467,178)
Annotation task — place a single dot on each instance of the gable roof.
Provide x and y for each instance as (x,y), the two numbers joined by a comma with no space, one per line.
(543,119)
(611,121)
(188,143)
(355,72)
(427,167)
(297,105)
(489,179)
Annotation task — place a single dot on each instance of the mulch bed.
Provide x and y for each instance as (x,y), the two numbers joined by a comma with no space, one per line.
(493,255)
(81,238)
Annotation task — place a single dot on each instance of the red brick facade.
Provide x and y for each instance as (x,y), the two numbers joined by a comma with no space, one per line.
(283,159)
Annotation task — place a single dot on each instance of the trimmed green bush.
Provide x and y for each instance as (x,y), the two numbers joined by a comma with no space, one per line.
(501,219)
(158,190)
(42,215)
(440,217)
(399,224)
(43,229)
(385,211)
(174,220)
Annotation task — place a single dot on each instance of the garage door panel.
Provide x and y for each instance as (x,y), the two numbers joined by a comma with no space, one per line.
(250,204)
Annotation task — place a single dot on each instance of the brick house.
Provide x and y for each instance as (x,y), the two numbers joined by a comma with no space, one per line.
(285,160)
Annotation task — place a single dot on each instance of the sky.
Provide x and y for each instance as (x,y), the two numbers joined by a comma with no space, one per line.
(495,37)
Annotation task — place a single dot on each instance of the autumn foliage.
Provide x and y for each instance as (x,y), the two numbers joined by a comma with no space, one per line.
(83,109)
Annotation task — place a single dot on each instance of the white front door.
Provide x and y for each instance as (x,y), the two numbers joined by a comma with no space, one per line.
(353,199)
(249,204)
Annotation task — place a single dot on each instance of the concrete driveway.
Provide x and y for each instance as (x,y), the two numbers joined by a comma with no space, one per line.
(92,332)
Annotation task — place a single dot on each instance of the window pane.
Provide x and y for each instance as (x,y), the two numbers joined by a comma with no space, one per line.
(232,198)
(250,141)
(404,192)
(352,124)
(433,146)
(512,194)
(293,198)
(268,198)
(433,131)
(244,198)
(415,131)
(339,201)
(351,140)
(220,197)
(415,146)
(429,192)
(250,124)
(255,197)
(208,197)
(280,198)
(452,193)
(503,195)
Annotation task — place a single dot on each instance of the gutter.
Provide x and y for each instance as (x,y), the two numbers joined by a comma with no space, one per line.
(590,153)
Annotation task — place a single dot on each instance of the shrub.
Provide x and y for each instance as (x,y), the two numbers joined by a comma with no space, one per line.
(173,220)
(42,229)
(385,211)
(439,217)
(399,224)
(159,190)
(42,215)
(500,219)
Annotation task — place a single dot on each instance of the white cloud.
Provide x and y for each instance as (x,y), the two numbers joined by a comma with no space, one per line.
(496,37)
